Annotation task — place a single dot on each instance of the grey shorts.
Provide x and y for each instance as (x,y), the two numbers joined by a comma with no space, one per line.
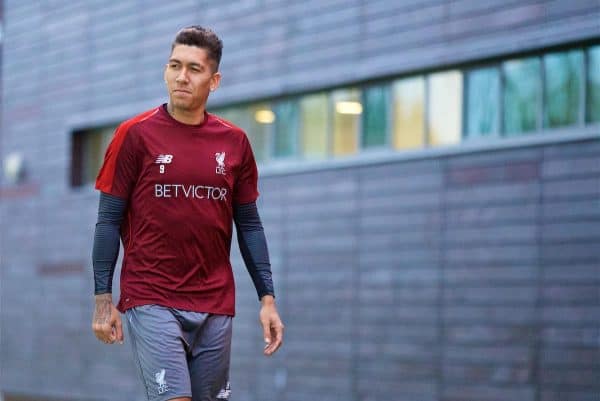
(181,353)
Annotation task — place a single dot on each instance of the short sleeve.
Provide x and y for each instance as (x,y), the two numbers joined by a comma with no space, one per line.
(121,166)
(246,186)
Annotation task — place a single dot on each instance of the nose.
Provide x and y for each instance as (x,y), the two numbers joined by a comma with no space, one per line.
(182,76)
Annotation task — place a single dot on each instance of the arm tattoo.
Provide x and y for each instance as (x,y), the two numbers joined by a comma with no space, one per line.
(102,311)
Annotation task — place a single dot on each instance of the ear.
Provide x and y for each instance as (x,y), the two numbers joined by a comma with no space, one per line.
(215,80)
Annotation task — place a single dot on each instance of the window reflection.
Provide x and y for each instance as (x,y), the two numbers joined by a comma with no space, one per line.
(562,88)
(375,119)
(259,129)
(253,120)
(521,99)
(445,105)
(314,117)
(409,107)
(346,121)
(87,153)
(482,100)
(286,128)
(94,147)
(517,97)
(593,85)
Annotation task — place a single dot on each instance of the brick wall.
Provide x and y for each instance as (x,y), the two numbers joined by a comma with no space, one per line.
(458,277)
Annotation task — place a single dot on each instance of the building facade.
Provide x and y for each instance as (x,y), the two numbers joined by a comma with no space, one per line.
(430,189)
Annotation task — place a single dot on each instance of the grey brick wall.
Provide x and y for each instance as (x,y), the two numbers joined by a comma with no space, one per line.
(456,277)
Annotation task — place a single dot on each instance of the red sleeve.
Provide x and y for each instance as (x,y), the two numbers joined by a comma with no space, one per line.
(122,164)
(246,186)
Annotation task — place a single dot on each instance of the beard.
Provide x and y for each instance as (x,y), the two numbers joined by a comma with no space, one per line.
(186,103)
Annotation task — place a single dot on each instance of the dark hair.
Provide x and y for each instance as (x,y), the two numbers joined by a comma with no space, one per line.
(200,37)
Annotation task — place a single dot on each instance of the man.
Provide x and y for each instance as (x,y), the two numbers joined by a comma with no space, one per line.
(173,180)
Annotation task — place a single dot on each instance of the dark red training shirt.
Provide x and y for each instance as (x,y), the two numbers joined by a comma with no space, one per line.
(180,182)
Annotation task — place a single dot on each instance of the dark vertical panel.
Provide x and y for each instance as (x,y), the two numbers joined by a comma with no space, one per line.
(570,296)
(76,158)
(490,270)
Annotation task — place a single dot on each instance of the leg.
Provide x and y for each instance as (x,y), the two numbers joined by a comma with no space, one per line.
(159,352)
(209,360)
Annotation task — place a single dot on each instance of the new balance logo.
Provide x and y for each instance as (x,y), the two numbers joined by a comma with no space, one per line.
(164,159)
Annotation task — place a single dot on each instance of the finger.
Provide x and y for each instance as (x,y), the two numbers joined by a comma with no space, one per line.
(277,335)
(102,332)
(113,334)
(99,336)
(106,332)
(104,339)
(119,327)
(266,332)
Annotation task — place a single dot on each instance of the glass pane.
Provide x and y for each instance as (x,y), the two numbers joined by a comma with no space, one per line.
(256,121)
(261,119)
(593,85)
(562,88)
(286,128)
(521,99)
(483,94)
(445,105)
(314,115)
(94,146)
(231,114)
(409,113)
(235,115)
(346,121)
(375,116)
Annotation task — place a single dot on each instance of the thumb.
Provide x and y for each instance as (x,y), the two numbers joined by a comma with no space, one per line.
(114,324)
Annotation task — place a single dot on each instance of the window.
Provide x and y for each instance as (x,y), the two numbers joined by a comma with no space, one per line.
(346,121)
(87,154)
(286,128)
(593,85)
(256,120)
(562,88)
(375,118)
(314,117)
(521,98)
(232,114)
(409,113)
(510,98)
(482,101)
(258,124)
(444,115)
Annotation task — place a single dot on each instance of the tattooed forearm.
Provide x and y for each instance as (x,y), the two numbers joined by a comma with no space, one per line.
(102,310)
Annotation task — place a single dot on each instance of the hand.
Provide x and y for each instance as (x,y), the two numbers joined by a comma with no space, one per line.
(106,323)
(272,325)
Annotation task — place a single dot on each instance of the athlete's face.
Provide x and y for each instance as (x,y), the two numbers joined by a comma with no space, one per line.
(190,78)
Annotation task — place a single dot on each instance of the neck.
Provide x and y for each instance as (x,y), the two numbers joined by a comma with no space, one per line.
(195,117)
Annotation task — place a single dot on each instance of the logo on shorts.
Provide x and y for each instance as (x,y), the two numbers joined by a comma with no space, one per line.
(162,383)
(220,158)
(224,393)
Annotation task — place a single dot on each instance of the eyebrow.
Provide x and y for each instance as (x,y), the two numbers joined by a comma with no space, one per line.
(174,60)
